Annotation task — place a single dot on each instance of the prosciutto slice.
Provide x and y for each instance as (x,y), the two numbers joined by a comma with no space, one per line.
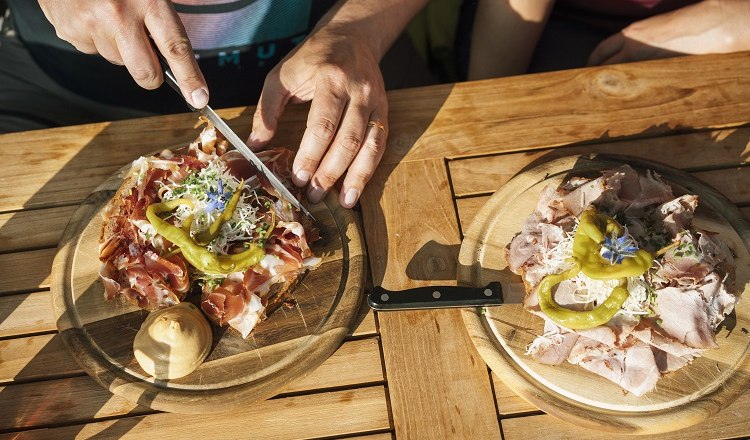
(689,289)
(143,267)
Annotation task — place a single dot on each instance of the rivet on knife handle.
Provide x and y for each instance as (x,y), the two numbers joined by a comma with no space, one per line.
(433,297)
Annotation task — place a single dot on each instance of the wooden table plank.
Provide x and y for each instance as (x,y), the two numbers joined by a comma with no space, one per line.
(564,107)
(731,423)
(709,149)
(47,225)
(508,402)
(80,398)
(430,361)
(26,313)
(338,413)
(486,175)
(35,358)
(78,158)
(25,271)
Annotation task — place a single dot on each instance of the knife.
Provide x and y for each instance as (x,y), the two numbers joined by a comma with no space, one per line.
(233,139)
(434,297)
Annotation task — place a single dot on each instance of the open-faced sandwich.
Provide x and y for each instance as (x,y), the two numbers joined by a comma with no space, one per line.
(627,287)
(204,217)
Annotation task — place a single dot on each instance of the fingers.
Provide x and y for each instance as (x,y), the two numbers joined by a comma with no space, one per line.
(322,122)
(273,99)
(345,147)
(368,158)
(139,58)
(606,49)
(167,31)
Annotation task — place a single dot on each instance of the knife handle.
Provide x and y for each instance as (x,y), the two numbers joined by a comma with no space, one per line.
(433,297)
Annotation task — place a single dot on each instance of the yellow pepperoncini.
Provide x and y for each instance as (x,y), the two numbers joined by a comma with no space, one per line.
(593,229)
(200,257)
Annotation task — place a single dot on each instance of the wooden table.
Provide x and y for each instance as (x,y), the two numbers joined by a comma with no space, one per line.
(402,374)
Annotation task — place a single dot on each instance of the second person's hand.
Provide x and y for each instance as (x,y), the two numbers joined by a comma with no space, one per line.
(119,31)
(348,121)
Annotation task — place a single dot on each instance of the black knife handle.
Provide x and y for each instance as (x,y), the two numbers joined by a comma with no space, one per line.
(433,297)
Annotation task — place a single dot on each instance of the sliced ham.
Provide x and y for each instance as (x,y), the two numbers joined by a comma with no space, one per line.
(691,286)
(632,367)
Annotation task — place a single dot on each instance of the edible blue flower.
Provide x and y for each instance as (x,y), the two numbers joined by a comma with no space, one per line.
(218,200)
(615,249)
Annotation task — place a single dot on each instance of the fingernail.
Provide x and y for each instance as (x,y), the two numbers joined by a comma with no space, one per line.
(200,98)
(316,194)
(302,176)
(350,198)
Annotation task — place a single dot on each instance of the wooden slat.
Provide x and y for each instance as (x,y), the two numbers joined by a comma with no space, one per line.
(711,149)
(45,356)
(730,423)
(468,208)
(337,413)
(486,175)
(76,159)
(508,402)
(47,225)
(25,271)
(26,313)
(563,107)
(366,322)
(438,384)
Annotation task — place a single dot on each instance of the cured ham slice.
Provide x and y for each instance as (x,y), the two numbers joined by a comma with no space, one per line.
(672,310)
(142,266)
(632,366)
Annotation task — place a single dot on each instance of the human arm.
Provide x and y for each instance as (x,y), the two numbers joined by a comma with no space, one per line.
(504,36)
(711,26)
(121,32)
(337,68)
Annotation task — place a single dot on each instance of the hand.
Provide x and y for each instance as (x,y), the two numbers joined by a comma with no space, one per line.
(347,125)
(711,26)
(119,31)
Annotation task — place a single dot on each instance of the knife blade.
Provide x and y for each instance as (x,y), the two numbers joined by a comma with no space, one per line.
(234,140)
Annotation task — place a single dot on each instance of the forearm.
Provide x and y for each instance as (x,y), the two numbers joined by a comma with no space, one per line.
(376,23)
(505,35)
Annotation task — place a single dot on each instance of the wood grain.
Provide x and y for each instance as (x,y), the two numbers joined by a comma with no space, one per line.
(564,107)
(682,398)
(430,362)
(47,224)
(330,414)
(731,423)
(26,313)
(693,151)
(509,403)
(25,271)
(40,357)
(483,176)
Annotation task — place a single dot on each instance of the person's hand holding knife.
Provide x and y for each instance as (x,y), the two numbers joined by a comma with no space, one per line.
(119,31)
(337,67)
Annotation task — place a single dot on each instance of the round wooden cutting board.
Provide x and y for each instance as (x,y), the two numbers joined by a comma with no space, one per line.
(289,344)
(501,334)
